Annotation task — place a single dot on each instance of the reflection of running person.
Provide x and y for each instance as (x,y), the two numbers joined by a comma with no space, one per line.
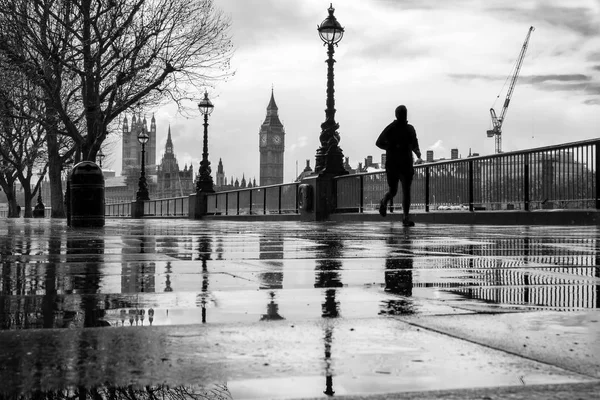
(399,140)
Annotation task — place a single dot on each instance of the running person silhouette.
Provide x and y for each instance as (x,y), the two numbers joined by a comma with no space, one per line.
(399,140)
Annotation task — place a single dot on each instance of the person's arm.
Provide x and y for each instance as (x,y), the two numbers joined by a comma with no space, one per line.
(415,147)
(382,141)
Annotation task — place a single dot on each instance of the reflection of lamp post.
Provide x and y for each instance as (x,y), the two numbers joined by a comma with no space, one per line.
(204,182)
(101,156)
(329,156)
(142,193)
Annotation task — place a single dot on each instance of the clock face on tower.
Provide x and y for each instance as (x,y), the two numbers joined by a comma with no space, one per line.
(263,140)
(277,139)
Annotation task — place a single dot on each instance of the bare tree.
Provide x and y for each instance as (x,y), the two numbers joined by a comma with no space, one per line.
(22,138)
(95,59)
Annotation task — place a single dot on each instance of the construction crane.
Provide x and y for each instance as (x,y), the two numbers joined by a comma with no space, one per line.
(497,121)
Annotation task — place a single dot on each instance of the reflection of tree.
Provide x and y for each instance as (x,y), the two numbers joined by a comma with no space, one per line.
(163,392)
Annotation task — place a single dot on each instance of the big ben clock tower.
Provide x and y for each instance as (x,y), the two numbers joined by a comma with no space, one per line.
(272,146)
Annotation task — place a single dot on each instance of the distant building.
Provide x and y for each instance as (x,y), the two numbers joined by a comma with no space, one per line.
(429,156)
(221,183)
(171,181)
(307,171)
(454,154)
(271,146)
(131,158)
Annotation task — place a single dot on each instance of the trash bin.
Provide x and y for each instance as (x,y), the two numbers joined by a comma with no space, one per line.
(86,195)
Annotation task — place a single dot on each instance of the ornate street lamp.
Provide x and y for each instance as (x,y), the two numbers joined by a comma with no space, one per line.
(329,156)
(142,194)
(100,155)
(204,181)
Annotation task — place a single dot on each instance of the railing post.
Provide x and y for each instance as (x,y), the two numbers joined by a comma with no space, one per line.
(526,181)
(297,188)
(597,183)
(471,186)
(237,211)
(264,201)
(279,200)
(226,203)
(250,206)
(427,189)
(362,194)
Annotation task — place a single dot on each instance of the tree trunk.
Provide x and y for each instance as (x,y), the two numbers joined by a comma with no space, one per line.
(13,211)
(54,175)
(27,212)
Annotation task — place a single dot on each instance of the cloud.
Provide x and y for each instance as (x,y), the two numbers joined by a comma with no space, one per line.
(438,147)
(528,79)
(534,79)
(592,102)
(580,19)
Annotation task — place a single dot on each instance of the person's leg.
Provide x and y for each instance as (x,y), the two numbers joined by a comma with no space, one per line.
(392,180)
(406,181)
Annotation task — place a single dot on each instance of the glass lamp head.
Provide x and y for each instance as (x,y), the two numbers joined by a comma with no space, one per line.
(330,30)
(205,106)
(143,137)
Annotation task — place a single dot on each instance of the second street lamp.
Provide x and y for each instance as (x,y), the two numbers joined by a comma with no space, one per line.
(142,194)
(204,182)
(329,157)
(100,157)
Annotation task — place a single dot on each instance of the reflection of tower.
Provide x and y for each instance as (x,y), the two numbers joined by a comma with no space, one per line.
(138,277)
(271,146)
(271,249)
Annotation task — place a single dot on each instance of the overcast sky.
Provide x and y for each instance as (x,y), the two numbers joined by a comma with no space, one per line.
(447,61)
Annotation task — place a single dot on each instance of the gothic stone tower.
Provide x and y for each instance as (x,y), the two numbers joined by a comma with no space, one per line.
(172,182)
(272,146)
(132,149)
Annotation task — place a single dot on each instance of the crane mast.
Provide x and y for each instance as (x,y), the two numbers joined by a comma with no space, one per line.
(497,121)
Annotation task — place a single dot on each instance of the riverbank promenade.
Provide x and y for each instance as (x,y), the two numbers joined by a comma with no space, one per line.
(224,309)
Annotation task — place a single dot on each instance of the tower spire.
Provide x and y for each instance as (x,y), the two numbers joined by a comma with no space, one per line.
(169,145)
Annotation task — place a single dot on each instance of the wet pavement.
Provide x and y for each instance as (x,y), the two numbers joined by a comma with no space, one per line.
(248,310)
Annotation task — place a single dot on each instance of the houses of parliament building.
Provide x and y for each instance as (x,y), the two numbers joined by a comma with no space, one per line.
(166,178)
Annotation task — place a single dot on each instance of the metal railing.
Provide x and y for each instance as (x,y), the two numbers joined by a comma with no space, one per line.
(264,200)
(117,209)
(170,207)
(553,177)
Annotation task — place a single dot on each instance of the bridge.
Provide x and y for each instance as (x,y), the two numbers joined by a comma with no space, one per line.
(258,297)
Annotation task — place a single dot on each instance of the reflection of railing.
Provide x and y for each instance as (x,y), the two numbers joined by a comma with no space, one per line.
(171,207)
(117,210)
(550,177)
(47,213)
(276,199)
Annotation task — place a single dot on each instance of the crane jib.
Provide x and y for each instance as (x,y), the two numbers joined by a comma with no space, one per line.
(497,122)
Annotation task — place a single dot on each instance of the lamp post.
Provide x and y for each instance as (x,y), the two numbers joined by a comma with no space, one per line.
(101,156)
(204,182)
(329,158)
(142,193)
